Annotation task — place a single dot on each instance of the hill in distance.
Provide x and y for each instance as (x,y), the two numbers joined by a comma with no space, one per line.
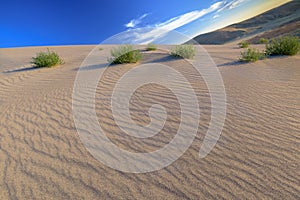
(281,21)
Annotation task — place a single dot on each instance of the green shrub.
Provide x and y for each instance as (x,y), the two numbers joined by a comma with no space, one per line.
(100,49)
(284,46)
(125,54)
(151,47)
(184,51)
(47,59)
(252,55)
(244,44)
(263,41)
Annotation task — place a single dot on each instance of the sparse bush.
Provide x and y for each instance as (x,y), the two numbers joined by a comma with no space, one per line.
(184,51)
(151,47)
(125,54)
(100,49)
(252,55)
(263,41)
(244,44)
(47,59)
(284,46)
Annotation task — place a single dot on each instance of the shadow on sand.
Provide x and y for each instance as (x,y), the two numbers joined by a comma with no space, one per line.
(232,63)
(147,58)
(20,70)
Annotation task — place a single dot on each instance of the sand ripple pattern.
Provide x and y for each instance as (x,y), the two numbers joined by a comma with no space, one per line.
(257,156)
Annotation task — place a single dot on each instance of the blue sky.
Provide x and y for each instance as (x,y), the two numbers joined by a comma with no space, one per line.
(64,22)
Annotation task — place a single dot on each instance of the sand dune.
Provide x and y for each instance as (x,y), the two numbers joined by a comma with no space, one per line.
(42,156)
(280,21)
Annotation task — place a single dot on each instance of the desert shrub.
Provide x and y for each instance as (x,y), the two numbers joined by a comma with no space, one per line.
(252,55)
(284,46)
(125,54)
(183,51)
(263,41)
(151,47)
(47,59)
(244,44)
(100,49)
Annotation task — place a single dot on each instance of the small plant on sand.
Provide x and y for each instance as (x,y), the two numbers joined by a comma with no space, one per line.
(100,49)
(284,46)
(263,41)
(184,51)
(124,54)
(252,55)
(151,47)
(47,59)
(244,44)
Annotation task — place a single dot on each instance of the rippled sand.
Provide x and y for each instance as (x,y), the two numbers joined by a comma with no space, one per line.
(256,157)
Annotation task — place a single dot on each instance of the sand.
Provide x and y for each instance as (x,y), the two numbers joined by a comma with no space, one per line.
(256,157)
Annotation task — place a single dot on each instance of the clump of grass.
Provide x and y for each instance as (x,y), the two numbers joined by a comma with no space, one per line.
(284,46)
(244,44)
(100,49)
(124,54)
(252,55)
(151,47)
(47,59)
(184,51)
(263,41)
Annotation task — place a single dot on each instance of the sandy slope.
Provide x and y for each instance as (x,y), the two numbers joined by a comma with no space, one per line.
(280,21)
(257,156)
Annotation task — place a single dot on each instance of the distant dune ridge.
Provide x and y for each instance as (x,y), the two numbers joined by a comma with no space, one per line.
(256,157)
(283,20)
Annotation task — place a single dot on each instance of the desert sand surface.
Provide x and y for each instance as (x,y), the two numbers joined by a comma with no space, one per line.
(256,157)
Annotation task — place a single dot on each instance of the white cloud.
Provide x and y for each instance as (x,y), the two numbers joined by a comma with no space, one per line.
(230,5)
(134,22)
(163,28)
(216,16)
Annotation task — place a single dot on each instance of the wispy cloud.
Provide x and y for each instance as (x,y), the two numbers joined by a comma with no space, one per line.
(231,5)
(216,16)
(220,14)
(159,30)
(187,17)
(134,22)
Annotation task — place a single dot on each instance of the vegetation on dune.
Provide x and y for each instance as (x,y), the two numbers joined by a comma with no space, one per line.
(124,54)
(244,44)
(263,41)
(151,47)
(184,51)
(252,55)
(47,59)
(288,45)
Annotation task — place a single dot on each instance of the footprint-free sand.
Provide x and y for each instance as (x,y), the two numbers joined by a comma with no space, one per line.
(256,157)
